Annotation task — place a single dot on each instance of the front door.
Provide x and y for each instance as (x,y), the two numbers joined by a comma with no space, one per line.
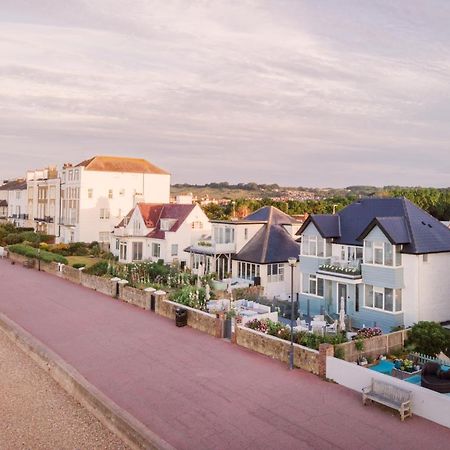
(342,294)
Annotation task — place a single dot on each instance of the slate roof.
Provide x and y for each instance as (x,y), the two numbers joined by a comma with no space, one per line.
(15,185)
(152,213)
(272,243)
(401,220)
(120,164)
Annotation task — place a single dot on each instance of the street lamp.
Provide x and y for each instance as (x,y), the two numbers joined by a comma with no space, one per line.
(292,263)
(39,247)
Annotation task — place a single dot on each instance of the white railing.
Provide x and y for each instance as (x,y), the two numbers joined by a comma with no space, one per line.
(425,402)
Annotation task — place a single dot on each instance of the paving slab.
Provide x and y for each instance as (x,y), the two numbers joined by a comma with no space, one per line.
(193,390)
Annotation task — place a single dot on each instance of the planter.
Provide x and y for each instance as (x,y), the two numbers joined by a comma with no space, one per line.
(403,374)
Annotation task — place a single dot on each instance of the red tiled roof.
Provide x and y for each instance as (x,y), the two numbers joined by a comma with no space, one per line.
(152,213)
(120,164)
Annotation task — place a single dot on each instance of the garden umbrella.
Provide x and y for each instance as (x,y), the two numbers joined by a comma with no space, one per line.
(207,292)
(342,315)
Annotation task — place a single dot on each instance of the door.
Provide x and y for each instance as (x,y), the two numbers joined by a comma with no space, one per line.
(342,293)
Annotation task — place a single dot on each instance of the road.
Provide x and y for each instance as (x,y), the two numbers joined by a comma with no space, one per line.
(193,390)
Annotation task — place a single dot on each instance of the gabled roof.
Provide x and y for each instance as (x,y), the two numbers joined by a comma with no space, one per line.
(272,243)
(120,164)
(401,221)
(395,229)
(153,213)
(15,185)
(327,224)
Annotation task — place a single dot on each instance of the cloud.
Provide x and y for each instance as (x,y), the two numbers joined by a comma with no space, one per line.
(300,93)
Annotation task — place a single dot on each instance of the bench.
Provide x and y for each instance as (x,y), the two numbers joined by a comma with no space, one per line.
(389,395)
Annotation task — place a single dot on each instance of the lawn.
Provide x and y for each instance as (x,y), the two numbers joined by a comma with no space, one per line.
(82,260)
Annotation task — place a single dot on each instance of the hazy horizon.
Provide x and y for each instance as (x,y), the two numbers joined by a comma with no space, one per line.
(295,93)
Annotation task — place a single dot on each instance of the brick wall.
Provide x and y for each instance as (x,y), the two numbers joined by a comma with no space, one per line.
(304,358)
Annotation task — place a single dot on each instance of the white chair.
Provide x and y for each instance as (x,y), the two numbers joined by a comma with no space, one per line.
(332,328)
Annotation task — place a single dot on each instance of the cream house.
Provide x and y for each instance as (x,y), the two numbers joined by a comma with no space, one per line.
(13,202)
(255,249)
(97,193)
(159,231)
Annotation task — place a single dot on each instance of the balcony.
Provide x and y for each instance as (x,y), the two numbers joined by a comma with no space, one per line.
(47,219)
(209,247)
(341,269)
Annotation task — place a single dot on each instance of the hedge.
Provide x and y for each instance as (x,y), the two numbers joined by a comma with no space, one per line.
(31,252)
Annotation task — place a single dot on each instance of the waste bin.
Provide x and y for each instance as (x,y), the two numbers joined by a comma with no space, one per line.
(181,317)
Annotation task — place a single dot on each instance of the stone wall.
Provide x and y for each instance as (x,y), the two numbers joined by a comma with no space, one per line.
(134,296)
(70,274)
(103,285)
(374,347)
(304,358)
(19,259)
(199,320)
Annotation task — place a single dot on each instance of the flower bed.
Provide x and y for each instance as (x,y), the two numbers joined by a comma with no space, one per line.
(366,333)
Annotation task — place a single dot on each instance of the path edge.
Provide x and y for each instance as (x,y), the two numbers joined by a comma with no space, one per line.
(133,432)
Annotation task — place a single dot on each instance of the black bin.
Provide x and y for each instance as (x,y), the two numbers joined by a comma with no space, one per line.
(181,317)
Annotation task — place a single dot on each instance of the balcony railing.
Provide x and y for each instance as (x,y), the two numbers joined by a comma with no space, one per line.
(347,269)
(48,219)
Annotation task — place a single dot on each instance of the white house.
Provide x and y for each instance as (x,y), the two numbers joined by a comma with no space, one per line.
(13,202)
(159,231)
(97,193)
(385,258)
(255,249)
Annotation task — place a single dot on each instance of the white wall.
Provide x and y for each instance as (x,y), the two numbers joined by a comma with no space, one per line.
(410,294)
(425,403)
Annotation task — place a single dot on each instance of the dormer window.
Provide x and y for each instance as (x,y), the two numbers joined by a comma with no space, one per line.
(166,224)
(381,253)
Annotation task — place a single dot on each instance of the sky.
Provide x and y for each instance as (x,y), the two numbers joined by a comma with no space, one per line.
(300,93)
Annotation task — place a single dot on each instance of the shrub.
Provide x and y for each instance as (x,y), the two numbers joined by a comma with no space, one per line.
(78,265)
(429,338)
(32,252)
(339,352)
(187,295)
(13,238)
(99,269)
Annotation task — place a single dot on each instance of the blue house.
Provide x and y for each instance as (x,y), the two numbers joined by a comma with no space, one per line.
(385,258)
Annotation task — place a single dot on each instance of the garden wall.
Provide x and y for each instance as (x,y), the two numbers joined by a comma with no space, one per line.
(70,274)
(199,320)
(135,296)
(374,346)
(103,285)
(305,358)
(19,259)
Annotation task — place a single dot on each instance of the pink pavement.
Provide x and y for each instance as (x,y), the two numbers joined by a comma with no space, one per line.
(193,390)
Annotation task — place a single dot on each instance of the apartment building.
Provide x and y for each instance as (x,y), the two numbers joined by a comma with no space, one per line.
(43,200)
(97,193)
(13,202)
(386,259)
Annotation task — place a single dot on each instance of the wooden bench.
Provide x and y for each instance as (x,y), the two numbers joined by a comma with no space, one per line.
(389,395)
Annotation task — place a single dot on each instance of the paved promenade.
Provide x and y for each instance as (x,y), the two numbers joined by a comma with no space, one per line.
(193,390)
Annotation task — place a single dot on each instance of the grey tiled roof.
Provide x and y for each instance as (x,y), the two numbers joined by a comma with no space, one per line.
(272,243)
(401,220)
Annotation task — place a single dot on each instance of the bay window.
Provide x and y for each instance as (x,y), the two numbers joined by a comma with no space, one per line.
(248,271)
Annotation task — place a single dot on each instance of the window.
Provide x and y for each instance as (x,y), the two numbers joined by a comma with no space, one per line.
(110,193)
(248,271)
(137,251)
(70,175)
(156,250)
(103,236)
(104,213)
(312,285)
(197,225)
(224,235)
(385,299)
(122,192)
(312,246)
(76,174)
(117,244)
(381,253)
(123,251)
(90,193)
(275,272)
(425,258)
(174,250)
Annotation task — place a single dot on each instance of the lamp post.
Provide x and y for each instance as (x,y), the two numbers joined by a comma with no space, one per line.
(292,263)
(39,248)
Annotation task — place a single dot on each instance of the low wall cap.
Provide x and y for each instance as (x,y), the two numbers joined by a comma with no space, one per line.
(115,279)
(160,292)
(149,289)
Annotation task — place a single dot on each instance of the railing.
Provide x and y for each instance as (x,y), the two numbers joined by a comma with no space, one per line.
(422,359)
(344,268)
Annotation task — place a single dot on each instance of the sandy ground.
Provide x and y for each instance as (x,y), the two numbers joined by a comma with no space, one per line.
(36,413)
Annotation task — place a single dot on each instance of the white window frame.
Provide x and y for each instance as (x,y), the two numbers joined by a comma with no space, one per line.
(137,249)
(275,272)
(174,250)
(396,299)
(248,271)
(156,250)
(312,278)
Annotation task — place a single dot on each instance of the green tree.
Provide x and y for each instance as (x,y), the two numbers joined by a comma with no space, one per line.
(429,338)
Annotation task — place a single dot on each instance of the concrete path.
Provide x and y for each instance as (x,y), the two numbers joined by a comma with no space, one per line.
(193,390)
